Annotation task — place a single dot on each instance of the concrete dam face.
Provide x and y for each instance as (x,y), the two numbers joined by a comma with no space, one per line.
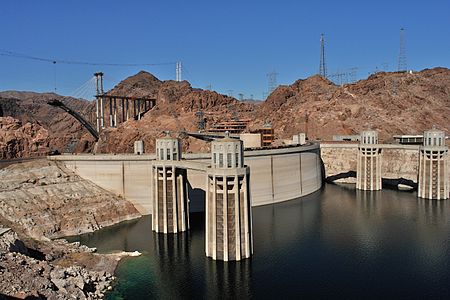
(276,175)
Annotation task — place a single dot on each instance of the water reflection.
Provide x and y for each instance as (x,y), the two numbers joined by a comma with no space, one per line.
(338,241)
(228,280)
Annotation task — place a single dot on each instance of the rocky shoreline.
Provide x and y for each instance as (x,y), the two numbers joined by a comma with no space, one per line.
(49,272)
(41,201)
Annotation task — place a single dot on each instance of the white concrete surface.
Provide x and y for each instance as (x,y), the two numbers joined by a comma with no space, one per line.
(275,174)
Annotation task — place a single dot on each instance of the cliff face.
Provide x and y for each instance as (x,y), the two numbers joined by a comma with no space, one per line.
(393,103)
(44,199)
(22,140)
(63,129)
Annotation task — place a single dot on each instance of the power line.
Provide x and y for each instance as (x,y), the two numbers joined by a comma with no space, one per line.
(9,53)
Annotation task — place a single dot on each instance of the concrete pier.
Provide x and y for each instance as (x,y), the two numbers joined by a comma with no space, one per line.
(368,173)
(433,170)
(228,205)
(170,205)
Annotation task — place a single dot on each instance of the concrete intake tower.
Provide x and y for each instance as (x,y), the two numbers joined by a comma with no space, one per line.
(170,204)
(368,173)
(433,170)
(228,205)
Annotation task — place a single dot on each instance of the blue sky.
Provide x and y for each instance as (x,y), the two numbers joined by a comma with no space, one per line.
(230,45)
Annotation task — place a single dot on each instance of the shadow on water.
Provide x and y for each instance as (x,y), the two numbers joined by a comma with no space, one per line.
(197,198)
(335,243)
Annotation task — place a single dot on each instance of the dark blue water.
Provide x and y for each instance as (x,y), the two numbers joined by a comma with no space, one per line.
(336,243)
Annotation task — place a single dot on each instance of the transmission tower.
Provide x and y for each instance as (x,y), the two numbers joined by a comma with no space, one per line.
(178,71)
(271,81)
(323,66)
(402,53)
(352,74)
(241,96)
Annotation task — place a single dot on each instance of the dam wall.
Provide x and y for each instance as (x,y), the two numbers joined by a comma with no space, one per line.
(397,161)
(276,175)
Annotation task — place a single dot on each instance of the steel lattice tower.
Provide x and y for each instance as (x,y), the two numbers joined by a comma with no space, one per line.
(272,82)
(402,53)
(322,67)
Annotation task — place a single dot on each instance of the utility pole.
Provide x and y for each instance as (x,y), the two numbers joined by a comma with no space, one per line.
(322,66)
(402,53)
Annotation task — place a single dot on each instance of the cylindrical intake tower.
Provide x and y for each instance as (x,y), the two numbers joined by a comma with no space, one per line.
(433,170)
(368,173)
(228,205)
(170,205)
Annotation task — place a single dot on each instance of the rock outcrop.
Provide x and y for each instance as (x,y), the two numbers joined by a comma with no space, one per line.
(19,140)
(44,199)
(39,273)
(39,201)
(392,103)
(65,133)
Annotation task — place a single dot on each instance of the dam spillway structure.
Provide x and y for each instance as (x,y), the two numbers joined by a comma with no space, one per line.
(170,204)
(368,173)
(228,205)
(433,170)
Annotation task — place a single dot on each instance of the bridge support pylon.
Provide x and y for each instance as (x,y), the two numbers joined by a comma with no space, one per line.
(228,205)
(170,204)
(368,173)
(433,170)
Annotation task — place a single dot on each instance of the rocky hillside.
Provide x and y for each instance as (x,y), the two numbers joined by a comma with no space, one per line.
(177,103)
(22,140)
(40,270)
(393,103)
(42,199)
(63,129)
(39,201)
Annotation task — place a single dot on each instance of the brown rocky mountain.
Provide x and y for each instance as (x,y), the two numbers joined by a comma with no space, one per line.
(177,103)
(393,103)
(22,140)
(30,107)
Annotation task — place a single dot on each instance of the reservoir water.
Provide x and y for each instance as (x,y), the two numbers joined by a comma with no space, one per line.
(335,243)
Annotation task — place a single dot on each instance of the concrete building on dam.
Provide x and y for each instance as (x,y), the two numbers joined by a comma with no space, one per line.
(433,169)
(170,202)
(368,173)
(228,203)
